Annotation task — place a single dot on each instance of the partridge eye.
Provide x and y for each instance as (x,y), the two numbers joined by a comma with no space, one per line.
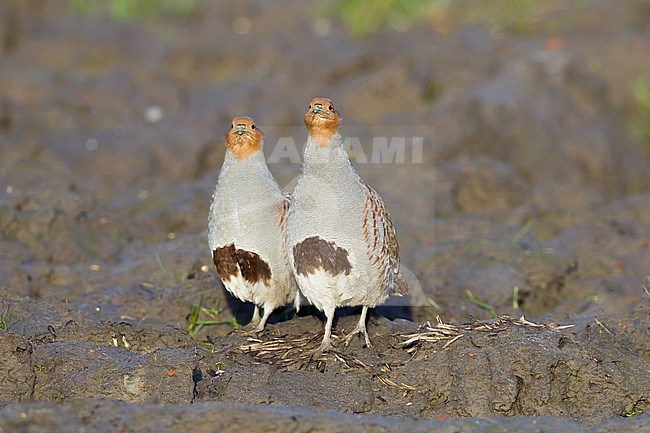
(232,126)
(253,126)
(309,108)
(330,108)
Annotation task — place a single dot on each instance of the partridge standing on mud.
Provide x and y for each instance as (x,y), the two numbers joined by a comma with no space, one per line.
(246,225)
(340,239)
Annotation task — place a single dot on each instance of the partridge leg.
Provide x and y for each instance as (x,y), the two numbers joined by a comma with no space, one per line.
(326,344)
(265,317)
(256,316)
(360,329)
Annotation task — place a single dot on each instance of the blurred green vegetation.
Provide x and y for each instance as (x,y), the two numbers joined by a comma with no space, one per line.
(362,17)
(130,10)
(502,15)
(640,125)
(519,16)
(367,16)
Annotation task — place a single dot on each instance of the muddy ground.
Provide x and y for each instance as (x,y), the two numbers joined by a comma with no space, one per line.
(530,198)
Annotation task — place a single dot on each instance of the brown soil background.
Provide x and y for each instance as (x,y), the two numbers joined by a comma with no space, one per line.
(535,175)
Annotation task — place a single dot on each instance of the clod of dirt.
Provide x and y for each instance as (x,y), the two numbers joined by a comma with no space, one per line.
(16,372)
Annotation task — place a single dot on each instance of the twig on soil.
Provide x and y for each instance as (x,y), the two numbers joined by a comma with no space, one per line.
(447,344)
(352,362)
(287,351)
(598,322)
(452,333)
(282,352)
(389,382)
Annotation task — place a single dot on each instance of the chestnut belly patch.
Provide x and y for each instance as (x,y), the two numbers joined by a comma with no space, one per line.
(230,261)
(316,253)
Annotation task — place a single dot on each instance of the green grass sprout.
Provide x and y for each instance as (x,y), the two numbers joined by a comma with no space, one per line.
(481,303)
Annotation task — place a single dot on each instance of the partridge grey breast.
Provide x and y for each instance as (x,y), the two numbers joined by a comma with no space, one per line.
(246,225)
(341,242)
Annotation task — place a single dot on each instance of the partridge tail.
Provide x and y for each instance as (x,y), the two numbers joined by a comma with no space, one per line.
(401,287)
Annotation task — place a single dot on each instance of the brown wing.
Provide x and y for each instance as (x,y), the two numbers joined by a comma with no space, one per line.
(383,248)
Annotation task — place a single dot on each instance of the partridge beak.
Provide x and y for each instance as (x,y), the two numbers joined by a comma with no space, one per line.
(241,129)
(318,108)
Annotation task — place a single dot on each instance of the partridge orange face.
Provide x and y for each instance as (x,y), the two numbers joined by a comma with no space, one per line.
(322,120)
(244,138)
